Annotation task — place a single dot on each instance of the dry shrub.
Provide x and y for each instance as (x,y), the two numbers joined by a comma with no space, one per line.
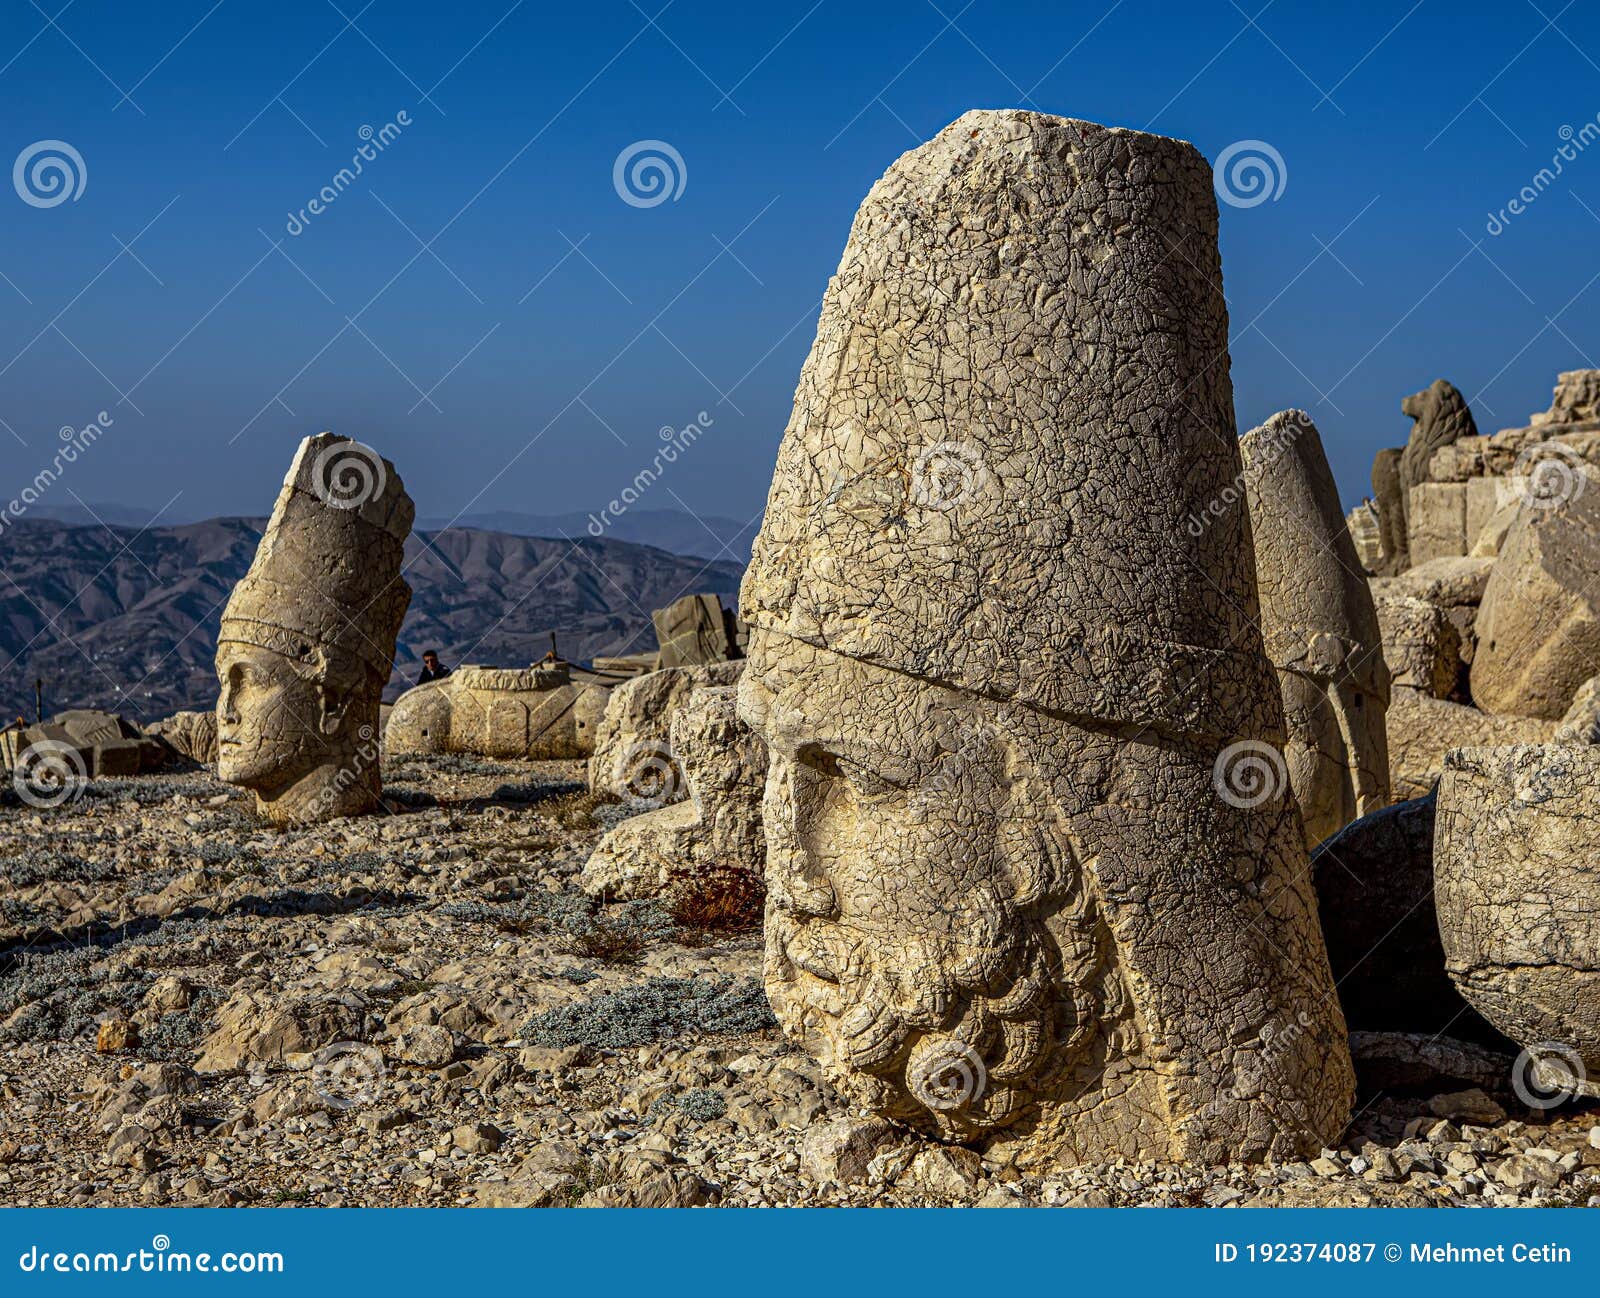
(716,899)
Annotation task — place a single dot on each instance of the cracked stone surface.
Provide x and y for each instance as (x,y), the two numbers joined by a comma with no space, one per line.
(1001,646)
(1422,730)
(1517,878)
(633,757)
(308,635)
(1539,624)
(1319,625)
(700,843)
(538,713)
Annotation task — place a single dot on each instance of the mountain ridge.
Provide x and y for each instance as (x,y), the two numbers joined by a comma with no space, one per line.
(126,618)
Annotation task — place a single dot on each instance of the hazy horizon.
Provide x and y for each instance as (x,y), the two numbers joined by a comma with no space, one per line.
(498,301)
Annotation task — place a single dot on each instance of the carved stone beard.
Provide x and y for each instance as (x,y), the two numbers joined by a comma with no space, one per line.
(931,936)
(953,1033)
(344,783)
(989,922)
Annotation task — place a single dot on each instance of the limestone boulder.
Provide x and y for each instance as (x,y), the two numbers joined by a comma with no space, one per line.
(1581,725)
(1516,875)
(1491,537)
(1420,644)
(713,842)
(695,630)
(1375,894)
(1539,625)
(1454,584)
(1489,500)
(54,757)
(633,757)
(1366,533)
(1423,729)
(1436,521)
(191,734)
(1449,582)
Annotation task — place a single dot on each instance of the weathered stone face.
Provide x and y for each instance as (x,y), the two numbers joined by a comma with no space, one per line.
(1319,625)
(308,636)
(960,925)
(1003,640)
(273,718)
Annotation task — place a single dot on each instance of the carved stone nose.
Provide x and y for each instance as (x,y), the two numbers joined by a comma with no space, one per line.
(796,879)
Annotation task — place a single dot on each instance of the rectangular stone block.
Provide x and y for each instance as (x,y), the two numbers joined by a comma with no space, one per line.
(1486,497)
(116,757)
(1436,521)
(693,631)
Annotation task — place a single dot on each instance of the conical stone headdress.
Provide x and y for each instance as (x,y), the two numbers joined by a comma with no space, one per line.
(1317,614)
(327,571)
(1017,401)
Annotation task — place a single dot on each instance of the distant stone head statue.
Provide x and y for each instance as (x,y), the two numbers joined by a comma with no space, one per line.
(1035,874)
(1320,627)
(308,637)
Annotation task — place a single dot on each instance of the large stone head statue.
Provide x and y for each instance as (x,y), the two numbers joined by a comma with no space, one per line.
(1319,625)
(1024,883)
(308,637)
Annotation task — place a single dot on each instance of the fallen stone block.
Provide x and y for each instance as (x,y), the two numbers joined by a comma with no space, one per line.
(1539,624)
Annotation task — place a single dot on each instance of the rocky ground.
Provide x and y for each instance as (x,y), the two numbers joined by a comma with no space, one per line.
(422,1009)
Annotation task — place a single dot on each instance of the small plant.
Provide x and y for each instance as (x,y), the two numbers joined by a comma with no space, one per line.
(702,1105)
(716,899)
(657,1010)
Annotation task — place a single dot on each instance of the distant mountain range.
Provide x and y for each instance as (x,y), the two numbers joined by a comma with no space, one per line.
(124,619)
(707,536)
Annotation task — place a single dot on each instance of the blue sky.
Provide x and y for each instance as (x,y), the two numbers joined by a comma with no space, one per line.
(527,356)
